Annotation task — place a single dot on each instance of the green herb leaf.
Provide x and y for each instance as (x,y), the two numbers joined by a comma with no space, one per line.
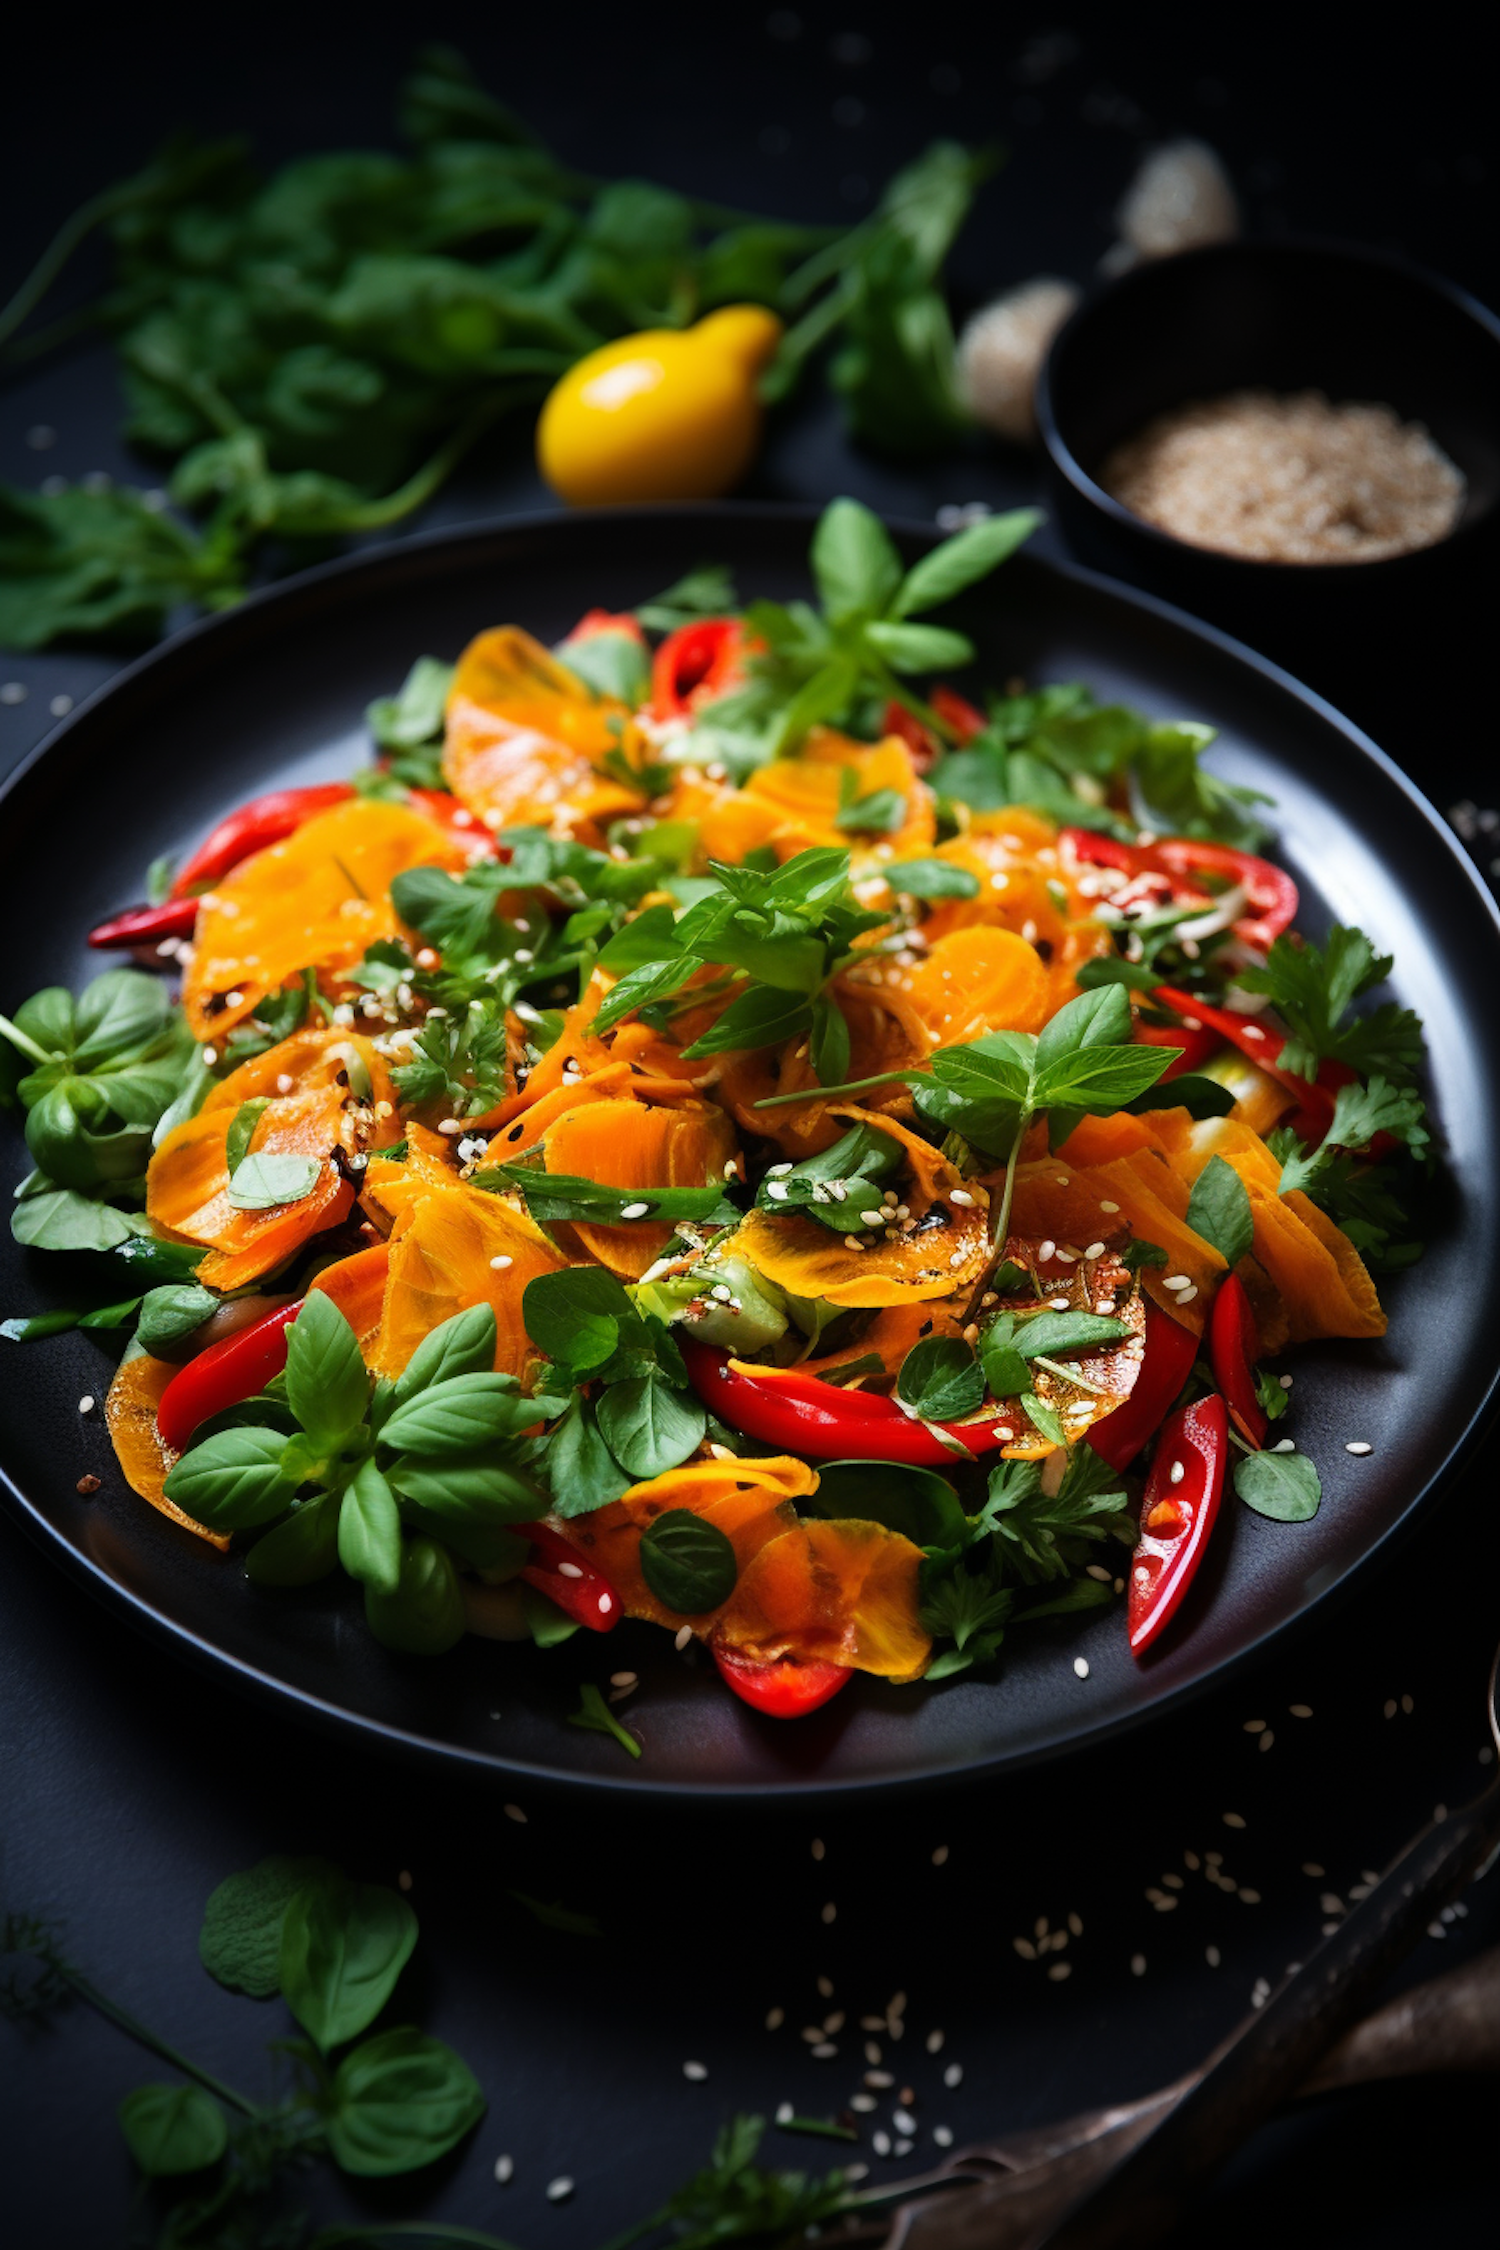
(171,1312)
(240,1942)
(425,1615)
(931,878)
(242,1130)
(343,1945)
(940,1380)
(649,1426)
(918,1503)
(595,1714)
(265,1181)
(919,648)
(461,1345)
(399,2101)
(370,1531)
(971,554)
(327,1387)
(688,1563)
(233,1481)
(575,1317)
(301,1549)
(558,1196)
(1284,1486)
(1219,1210)
(1314,987)
(414,716)
(857,569)
(463,1412)
(761,1017)
(581,1471)
(170,2130)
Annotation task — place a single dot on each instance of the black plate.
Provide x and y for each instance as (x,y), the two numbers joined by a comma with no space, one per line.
(274,693)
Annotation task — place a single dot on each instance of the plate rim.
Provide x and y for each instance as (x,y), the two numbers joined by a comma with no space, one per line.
(491,1769)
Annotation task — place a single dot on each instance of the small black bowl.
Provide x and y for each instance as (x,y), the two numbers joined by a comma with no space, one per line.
(1279,316)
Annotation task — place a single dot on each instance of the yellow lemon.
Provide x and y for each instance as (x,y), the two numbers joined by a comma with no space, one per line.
(670,414)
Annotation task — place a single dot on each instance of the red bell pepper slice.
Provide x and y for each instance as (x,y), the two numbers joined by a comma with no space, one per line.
(696,664)
(1177,1515)
(1169,1354)
(786,1688)
(1263,1044)
(1270,891)
(148,925)
(799,1414)
(1194,1047)
(265,820)
(225,1375)
(1233,1349)
(573,1585)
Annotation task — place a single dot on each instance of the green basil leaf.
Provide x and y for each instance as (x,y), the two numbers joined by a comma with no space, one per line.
(242,1130)
(462,1345)
(918,1503)
(466,1487)
(1284,1486)
(581,1471)
(971,554)
(879,814)
(425,1615)
(919,648)
(554,1196)
(343,1945)
(299,1550)
(549,1627)
(119,1013)
(171,1312)
(648,1426)
(688,1564)
(651,937)
(397,2102)
(1057,1333)
(761,1017)
(173,2129)
(1108,968)
(62,1219)
(829,1046)
(1219,1210)
(461,1413)
(1137,1255)
(1097,1018)
(931,878)
(327,1386)
(940,1380)
(653,980)
(576,1317)
(595,1714)
(233,1481)
(240,1941)
(1098,1078)
(414,716)
(1043,1419)
(267,1180)
(854,562)
(1199,1096)
(369,1532)
(611,664)
(822,697)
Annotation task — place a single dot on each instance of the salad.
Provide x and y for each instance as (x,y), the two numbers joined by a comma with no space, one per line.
(713,1126)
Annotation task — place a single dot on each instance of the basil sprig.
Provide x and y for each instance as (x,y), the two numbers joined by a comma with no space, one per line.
(397,1481)
(633,1414)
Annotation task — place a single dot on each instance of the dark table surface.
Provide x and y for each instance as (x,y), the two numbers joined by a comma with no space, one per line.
(129,1786)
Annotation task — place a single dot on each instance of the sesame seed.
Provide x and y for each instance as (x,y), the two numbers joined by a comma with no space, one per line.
(1267,1739)
(514,1812)
(1254,1726)
(624,1679)
(1045,1250)
(14,691)
(1186,1296)
(1081,1667)
(501,1264)
(86,1403)
(1300,1710)
(449,1125)
(1234,1820)
(953,2075)
(1059,1971)
(1284,1445)
(404,1879)
(1138,1964)
(777,1171)
(779,1191)
(775,2018)
(1358,1445)
(784,2113)
(1311,1867)
(1107,1206)
(873,1218)
(1407,1705)
(683,1635)
(960,1195)
(569,1570)
(1058,1304)
(934,2042)
(1250,1897)
(696,2071)
(881,2143)
(1211,1956)
(873,2051)
(1390,1708)
(856,2171)
(940,1856)
(558,2191)
(818,1847)
(1285,1381)
(1178,1281)
(634,1210)
(864,2103)
(879,2080)
(942,2134)
(1024,1948)
(60,706)
(829,1913)
(1094,1250)
(1177,1472)
(721,1453)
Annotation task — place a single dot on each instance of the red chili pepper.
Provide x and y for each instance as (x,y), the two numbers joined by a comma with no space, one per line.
(802,1415)
(920,741)
(1263,1044)
(607,621)
(957,712)
(1177,1515)
(575,1586)
(1233,1349)
(1269,890)
(265,820)
(697,663)
(1170,1351)
(225,1375)
(148,925)
(1195,1046)
(783,1689)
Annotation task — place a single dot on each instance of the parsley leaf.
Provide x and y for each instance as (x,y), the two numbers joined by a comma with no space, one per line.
(1314,987)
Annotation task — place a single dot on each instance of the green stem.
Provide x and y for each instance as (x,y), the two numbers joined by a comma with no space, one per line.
(1069,1375)
(1002,1219)
(850,1086)
(69,236)
(134,2029)
(375,514)
(19,1038)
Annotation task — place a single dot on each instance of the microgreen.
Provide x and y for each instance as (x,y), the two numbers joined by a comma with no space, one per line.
(1284,1486)
(595,1715)
(640,1416)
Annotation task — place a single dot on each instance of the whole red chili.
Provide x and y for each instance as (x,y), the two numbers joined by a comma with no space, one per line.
(784,1688)
(1177,1514)
(148,925)
(801,1415)
(572,1584)
(1169,1354)
(265,820)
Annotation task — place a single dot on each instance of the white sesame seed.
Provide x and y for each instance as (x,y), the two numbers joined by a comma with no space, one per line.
(1358,1445)
(817,1847)
(864,2103)
(856,2171)
(1045,1250)
(1267,1739)
(1211,1956)
(501,1264)
(696,2071)
(784,2113)
(960,1195)
(829,1913)
(879,2080)
(14,691)
(1138,1964)
(943,2135)
(558,2191)
(775,2018)
(514,1812)
(1059,1971)
(940,1856)
(1177,1472)
(1284,1445)
(1107,1206)
(1058,1304)
(881,2143)
(903,2121)
(953,2075)
(1081,1667)
(683,1635)
(1311,1867)
(505,2169)
(1300,1710)
(569,1570)
(1407,1705)
(1094,1250)
(606,1601)
(1178,1281)
(634,1210)
(1250,1897)
(1254,1726)
(873,1218)
(777,1171)
(449,1125)
(86,1403)
(873,2050)
(778,1190)
(1234,1820)
(60,706)
(722,1453)
(624,1679)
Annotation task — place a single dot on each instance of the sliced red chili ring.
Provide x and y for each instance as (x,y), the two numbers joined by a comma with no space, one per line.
(225,1375)
(1233,1349)
(560,1572)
